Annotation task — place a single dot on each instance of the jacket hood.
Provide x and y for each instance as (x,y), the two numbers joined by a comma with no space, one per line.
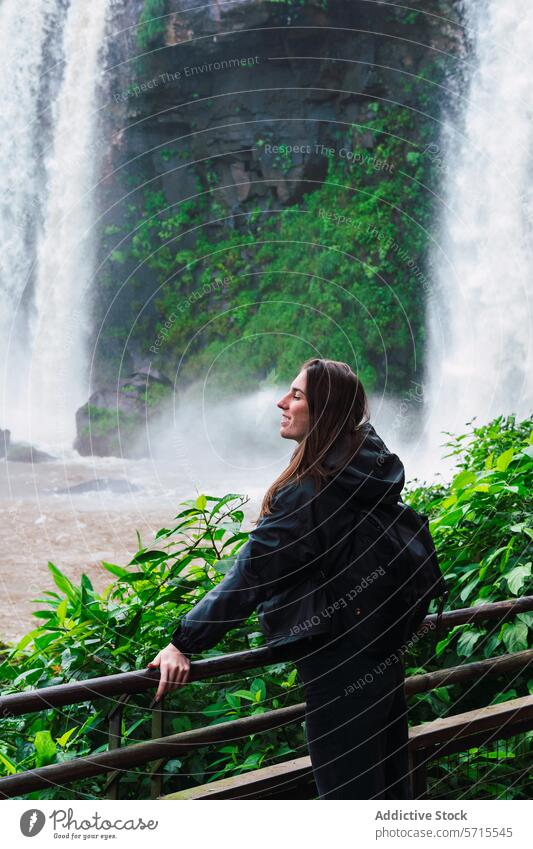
(373,474)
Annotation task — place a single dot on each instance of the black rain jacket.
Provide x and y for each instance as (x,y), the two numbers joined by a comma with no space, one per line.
(308,568)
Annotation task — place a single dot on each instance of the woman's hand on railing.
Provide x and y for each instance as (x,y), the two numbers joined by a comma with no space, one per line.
(174,669)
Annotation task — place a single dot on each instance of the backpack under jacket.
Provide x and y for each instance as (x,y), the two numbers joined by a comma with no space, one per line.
(352,560)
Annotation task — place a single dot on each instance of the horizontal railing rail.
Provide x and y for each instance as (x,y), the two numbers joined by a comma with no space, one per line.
(60,695)
(182,743)
(427,742)
(174,745)
(162,748)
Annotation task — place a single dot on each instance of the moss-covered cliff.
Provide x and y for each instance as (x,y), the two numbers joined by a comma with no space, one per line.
(270,187)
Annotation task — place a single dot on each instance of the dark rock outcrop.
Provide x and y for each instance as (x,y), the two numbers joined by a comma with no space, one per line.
(114,420)
(116,485)
(237,103)
(23,452)
(5,438)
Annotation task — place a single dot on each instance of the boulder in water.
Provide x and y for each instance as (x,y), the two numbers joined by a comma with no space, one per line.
(113,422)
(23,452)
(117,485)
(5,438)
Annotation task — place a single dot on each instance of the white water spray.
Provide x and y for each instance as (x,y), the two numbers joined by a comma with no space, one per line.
(480,343)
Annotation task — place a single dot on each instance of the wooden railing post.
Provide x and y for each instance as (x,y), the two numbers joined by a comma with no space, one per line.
(156,776)
(115,717)
(418,773)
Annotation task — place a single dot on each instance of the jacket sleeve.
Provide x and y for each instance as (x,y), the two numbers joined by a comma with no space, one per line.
(279,548)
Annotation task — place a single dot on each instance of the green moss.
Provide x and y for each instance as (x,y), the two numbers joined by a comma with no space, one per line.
(341,273)
(152,24)
(103,422)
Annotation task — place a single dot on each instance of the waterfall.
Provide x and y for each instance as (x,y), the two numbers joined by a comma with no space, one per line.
(479,356)
(25,33)
(49,152)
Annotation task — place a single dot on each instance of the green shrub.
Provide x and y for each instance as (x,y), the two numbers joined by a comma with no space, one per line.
(152,24)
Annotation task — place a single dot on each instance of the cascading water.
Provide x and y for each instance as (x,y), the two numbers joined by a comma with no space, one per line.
(26,32)
(48,202)
(479,359)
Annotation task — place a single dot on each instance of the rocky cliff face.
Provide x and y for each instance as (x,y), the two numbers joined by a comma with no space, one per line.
(238,104)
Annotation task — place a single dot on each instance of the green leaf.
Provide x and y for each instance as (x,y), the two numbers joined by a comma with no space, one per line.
(130,628)
(491,645)
(465,592)
(85,581)
(504,697)
(449,519)
(233,700)
(225,564)
(119,571)
(62,582)
(243,694)
(443,644)
(230,496)
(516,577)
(63,740)
(467,641)
(252,761)
(215,709)
(463,479)
(201,502)
(515,636)
(526,617)
(173,766)
(242,535)
(11,768)
(258,687)
(504,459)
(27,638)
(129,731)
(61,611)
(148,557)
(132,577)
(182,723)
(45,748)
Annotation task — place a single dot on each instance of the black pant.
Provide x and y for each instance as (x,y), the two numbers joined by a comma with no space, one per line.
(356,719)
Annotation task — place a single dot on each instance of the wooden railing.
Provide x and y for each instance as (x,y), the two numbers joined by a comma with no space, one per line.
(161,748)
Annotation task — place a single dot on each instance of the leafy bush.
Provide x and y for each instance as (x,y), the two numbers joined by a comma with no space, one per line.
(483,530)
(152,24)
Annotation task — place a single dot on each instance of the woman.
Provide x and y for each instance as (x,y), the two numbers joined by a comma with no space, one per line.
(320,588)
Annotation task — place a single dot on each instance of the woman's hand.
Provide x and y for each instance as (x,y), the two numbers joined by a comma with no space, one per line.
(174,669)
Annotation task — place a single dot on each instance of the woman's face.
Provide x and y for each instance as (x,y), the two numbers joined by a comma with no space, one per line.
(295,411)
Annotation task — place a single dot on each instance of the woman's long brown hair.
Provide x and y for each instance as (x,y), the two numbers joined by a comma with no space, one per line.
(338,407)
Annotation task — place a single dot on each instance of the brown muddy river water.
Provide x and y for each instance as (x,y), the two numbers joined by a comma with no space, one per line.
(77,530)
